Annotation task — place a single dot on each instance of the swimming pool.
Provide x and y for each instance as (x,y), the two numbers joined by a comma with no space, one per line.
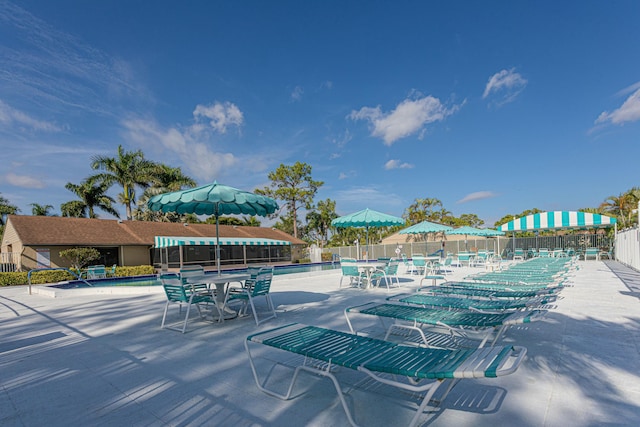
(152,280)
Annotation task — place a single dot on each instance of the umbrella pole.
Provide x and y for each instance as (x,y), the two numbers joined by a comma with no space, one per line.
(217,242)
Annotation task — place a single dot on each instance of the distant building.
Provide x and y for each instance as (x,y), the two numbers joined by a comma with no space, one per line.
(36,241)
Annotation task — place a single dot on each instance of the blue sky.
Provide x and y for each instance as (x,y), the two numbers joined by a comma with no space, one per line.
(491,107)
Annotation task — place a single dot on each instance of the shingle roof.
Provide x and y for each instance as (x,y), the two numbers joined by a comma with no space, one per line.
(50,230)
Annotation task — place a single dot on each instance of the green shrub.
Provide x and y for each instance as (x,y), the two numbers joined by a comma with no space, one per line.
(54,276)
(327,256)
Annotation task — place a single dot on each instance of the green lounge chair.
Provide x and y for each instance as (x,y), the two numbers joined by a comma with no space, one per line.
(472,304)
(416,369)
(460,325)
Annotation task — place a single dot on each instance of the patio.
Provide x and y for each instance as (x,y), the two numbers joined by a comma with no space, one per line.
(103,360)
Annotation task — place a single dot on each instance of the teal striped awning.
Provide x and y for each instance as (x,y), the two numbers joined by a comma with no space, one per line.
(166,242)
(558,220)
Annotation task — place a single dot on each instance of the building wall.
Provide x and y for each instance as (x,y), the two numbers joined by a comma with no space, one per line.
(135,255)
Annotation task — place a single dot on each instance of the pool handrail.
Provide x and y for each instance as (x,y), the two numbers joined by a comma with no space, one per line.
(73,273)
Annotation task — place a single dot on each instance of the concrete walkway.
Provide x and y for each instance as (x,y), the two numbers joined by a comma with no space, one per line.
(102,360)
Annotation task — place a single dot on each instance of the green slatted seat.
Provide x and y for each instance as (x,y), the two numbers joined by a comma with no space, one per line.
(465,303)
(417,369)
(485,325)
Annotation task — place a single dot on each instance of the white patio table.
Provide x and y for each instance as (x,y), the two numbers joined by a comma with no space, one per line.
(220,281)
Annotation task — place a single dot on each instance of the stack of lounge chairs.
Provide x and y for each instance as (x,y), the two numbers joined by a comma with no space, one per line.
(435,335)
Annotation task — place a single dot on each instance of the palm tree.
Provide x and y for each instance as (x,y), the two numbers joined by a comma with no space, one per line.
(620,206)
(129,169)
(40,210)
(92,195)
(164,180)
(6,208)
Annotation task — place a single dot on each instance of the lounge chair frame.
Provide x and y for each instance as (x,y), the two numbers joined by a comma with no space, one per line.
(461,326)
(377,359)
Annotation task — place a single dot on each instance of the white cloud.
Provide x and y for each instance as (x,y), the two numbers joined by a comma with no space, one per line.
(219,115)
(24,181)
(409,117)
(629,111)
(10,117)
(629,89)
(194,153)
(397,164)
(297,93)
(343,175)
(479,195)
(506,85)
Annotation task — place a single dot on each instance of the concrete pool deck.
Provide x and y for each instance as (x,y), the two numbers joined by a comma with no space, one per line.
(102,360)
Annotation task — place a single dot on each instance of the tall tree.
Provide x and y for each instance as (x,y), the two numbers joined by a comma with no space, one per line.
(295,187)
(129,169)
(40,210)
(165,179)
(92,195)
(6,208)
(621,207)
(319,220)
(423,210)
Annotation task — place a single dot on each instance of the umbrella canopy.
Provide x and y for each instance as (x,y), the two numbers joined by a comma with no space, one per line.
(425,227)
(557,220)
(213,199)
(473,231)
(367,218)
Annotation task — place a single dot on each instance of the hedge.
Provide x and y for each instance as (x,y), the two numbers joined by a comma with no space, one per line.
(54,276)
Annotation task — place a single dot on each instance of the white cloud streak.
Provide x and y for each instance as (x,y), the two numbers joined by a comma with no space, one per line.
(53,70)
(192,145)
(10,117)
(397,164)
(23,181)
(505,85)
(479,195)
(296,94)
(409,117)
(629,111)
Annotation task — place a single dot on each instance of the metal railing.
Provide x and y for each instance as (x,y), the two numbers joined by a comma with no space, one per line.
(9,262)
(503,246)
(627,246)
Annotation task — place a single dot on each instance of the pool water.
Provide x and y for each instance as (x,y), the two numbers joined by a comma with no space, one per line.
(153,281)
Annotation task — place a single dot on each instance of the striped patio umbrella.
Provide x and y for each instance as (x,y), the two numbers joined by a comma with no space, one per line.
(367,218)
(558,220)
(213,199)
(473,231)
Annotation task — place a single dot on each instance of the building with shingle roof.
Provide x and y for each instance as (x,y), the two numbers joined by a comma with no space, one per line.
(36,241)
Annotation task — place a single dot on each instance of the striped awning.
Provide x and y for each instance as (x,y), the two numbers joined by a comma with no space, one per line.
(558,220)
(165,242)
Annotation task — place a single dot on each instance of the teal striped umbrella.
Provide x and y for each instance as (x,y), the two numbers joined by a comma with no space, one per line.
(213,199)
(557,220)
(425,227)
(367,218)
(473,231)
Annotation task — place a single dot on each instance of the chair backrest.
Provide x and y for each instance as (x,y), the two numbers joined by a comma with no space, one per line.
(262,283)
(518,252)
(96,272)
(173,288)
(349,267)
(464,256)
(592,251)
(192,271)
(543,252)
(448,261)
(419,261)
(254,270)
(392,267)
